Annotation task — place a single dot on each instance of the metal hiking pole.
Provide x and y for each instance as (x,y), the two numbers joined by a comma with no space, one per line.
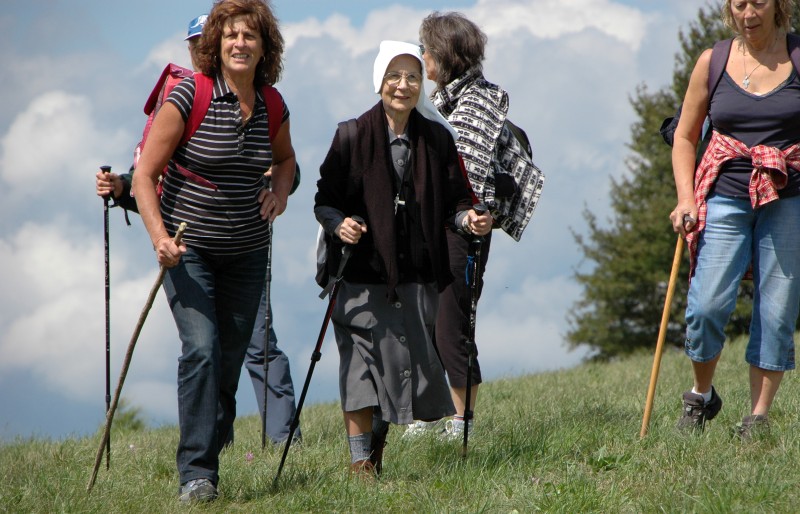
(107,169)
(474,262)
(333,290)
(127,362)
(662,335)
(267,323)
(267,329)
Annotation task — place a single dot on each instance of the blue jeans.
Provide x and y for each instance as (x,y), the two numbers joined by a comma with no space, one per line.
(736,236)
(280,388)
(214,300)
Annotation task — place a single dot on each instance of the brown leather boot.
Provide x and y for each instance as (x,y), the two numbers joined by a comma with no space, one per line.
(379,432)
(363,469)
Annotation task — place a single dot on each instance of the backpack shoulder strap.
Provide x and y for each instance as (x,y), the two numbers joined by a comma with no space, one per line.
(794,50)
(347,134)
(274,103)
(719,58)
(204,88)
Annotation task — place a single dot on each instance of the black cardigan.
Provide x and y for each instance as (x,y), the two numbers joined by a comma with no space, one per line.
(366,189)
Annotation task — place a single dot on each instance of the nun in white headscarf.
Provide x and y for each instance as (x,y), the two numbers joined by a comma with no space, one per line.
(399,170)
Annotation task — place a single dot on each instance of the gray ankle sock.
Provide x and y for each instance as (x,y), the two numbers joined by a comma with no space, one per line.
(360,446)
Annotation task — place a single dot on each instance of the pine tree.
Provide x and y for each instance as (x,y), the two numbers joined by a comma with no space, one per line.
(623,296)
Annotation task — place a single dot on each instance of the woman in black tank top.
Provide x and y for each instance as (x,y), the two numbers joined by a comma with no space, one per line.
(739,209)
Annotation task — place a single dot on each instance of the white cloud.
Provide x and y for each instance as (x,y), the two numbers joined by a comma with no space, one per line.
(50,154)
(556,19)
(55,117)
(174,50)
(53,315)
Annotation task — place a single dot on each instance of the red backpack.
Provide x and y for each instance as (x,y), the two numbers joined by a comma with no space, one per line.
(204,89)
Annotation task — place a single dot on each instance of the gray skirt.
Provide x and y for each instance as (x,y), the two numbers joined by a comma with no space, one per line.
(386,356)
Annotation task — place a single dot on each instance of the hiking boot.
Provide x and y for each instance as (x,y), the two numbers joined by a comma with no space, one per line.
(454,430)
(363,469)
(379,431)
(198,490)
(752,427)
(420,428)
(696,411)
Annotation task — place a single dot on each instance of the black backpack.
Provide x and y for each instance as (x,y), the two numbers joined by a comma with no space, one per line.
(329,249)
(518,182)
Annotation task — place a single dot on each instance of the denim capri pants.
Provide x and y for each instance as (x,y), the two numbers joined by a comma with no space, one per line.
(735,236)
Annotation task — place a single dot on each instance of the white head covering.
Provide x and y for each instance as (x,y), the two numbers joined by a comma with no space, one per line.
(388,51)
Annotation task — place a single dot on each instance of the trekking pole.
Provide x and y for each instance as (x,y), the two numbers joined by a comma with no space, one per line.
(662,335)
(333,288)
(127,362)
(267,322)
(267,329)
(107,169)
(473,261)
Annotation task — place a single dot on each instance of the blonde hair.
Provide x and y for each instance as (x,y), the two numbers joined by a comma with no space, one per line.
(783,14)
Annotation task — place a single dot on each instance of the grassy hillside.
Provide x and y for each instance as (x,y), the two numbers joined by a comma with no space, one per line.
(556,442)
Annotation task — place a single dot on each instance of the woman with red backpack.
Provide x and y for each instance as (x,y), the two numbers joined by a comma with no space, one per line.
(216,276)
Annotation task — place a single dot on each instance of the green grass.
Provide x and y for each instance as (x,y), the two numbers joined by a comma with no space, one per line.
(556,442)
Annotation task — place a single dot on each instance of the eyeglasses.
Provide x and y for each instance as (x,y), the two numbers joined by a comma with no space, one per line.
(422,49)
(393,78)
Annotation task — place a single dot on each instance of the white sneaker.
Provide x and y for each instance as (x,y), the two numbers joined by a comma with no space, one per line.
(420,428)
(454,430)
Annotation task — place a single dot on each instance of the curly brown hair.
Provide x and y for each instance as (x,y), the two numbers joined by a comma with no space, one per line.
(455,43)
(783,14)
(258,16)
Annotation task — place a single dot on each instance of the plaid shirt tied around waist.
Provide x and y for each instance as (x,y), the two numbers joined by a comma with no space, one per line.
(770,174)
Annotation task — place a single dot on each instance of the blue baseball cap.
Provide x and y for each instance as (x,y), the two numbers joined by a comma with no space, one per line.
(196,26)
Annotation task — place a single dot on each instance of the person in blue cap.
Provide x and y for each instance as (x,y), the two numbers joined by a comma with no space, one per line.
(281,405)
(193,35)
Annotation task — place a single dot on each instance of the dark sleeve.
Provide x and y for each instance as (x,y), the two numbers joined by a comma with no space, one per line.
(332,183)
(125,200)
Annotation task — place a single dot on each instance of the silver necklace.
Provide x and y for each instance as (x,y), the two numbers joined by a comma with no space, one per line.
(746,81)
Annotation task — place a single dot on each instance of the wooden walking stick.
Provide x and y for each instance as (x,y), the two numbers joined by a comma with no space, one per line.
(662,335)
(127,362)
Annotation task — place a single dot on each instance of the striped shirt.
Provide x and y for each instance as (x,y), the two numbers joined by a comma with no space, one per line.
(223,219)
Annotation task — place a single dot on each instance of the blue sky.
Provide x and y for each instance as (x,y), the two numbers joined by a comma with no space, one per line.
(75,77)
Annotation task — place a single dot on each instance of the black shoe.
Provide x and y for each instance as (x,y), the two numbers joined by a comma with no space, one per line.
(696,411)
(379,431)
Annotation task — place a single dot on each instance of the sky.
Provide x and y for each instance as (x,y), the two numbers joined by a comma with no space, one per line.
(75,77)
